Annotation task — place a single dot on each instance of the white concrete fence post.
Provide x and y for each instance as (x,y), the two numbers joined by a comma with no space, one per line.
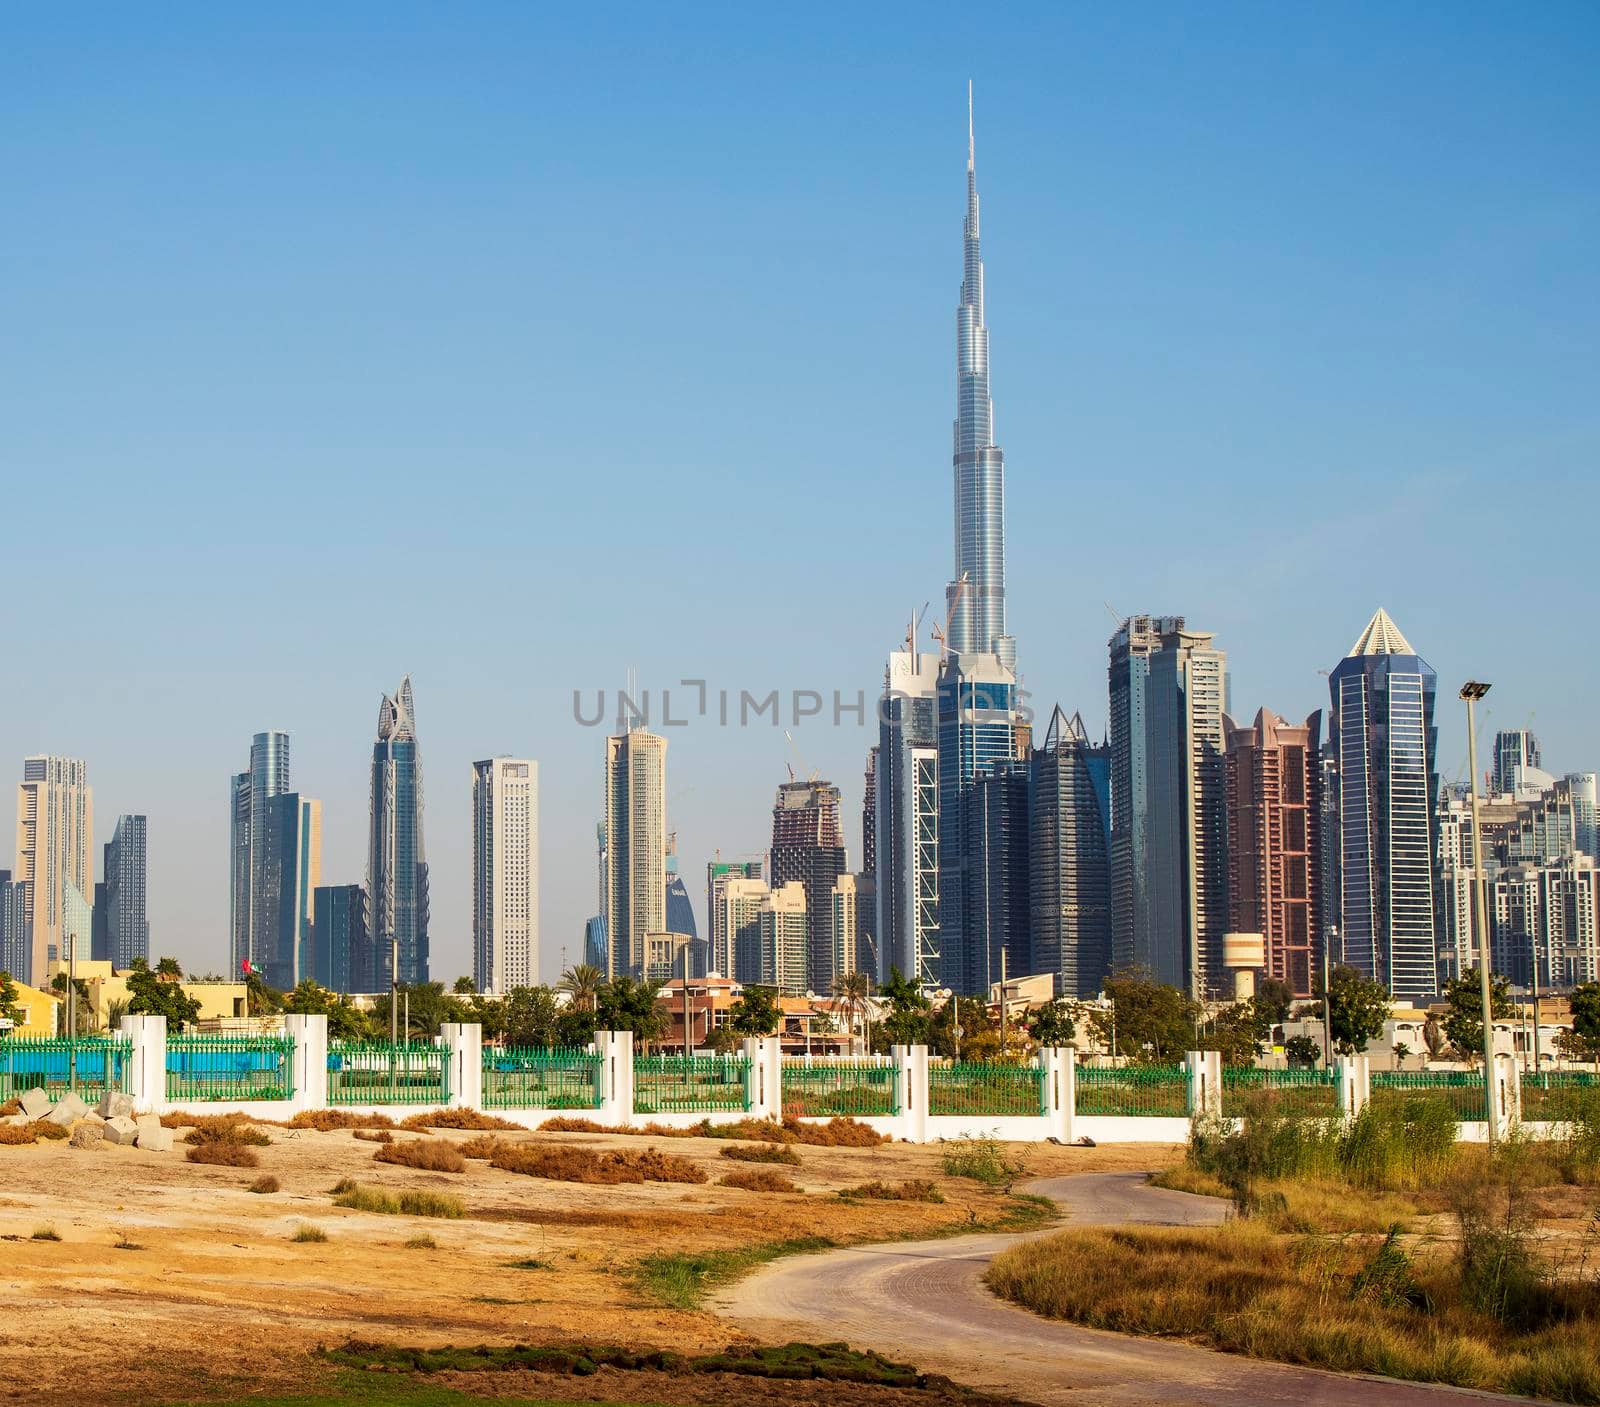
(1060,1080)
(146,1073)
(464,1041)
(1353,1081)
(308,1066)
(1507,1087)
(1205,1082)
(911,1073)
(615,1049)
(772,1059)
(764,1079)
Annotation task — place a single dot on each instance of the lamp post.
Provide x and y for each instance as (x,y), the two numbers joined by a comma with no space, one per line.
(1471,692)
(1329,939)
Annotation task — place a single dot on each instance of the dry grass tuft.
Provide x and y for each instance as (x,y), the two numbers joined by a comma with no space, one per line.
(914,1189)
(265,1183)
(757,1180)
(428,1154)
(459,1119)
(11,1106)
(45,1233)
(224,1155)
(226,1128)
(421,1242)
(485,1145)
(22,1133)
(307,1234)
(326,1120)
(762,1153)
(565,1163)
(406,1203)
(564,1123)
(43,1129)
(374,1135)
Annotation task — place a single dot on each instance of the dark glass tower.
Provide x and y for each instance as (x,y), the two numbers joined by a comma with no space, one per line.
(1383,745)
(1070,835)
(397,869)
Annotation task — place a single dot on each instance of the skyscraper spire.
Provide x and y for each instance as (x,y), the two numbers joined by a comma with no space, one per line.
(975,597)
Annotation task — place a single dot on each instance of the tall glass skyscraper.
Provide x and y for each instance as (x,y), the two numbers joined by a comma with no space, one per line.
(397,868)
(249,793)
(1383,744)
(127,929)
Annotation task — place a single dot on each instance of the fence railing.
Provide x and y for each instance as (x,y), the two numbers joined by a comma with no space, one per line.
(229,1067)
(691,1084)
(516,1078)
(1559,1095)
(822,1088)
(90,1064)
(1312,1093)
(986,1089)
(1463,1089)
(1132,1090)
(381,1073)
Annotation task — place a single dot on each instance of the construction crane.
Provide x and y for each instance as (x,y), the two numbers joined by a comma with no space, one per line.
(942,634)
(789,738)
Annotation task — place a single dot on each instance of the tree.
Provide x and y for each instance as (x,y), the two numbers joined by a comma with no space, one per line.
(345,1022)
(1238,1032)
(464,987)
(1463,1019)
(1583,1041)
(575,1029)
(531,1016)
(1274,999)
(148,995)
(10,1004)
(756,1013)
(1054,1024)
(1358,1006)
(971,1016)
(725,1040)
(582,983)
(853,991)
(1153,1022)
(625,1004)
(906,1019)
(1433,1037)
(1302,1051)
(168,967)
(260,999)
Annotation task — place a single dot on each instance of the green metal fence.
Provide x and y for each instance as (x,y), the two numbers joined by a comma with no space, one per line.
(517,1078)
(1463,1089)
(695,1084)
(1560,1095)
(381,1073)
(821,1088)
(204,1067)
(90,1065)
(986,1089)
(1132,1089)
(1314,1093)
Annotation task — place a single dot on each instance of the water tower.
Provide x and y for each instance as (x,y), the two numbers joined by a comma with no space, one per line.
(1244,954)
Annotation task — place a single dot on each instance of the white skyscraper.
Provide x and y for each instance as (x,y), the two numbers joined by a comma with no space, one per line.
(55,829)
(505,873)
(636,846)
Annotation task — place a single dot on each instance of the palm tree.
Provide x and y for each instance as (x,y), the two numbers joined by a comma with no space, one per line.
(854,990)
(582,983)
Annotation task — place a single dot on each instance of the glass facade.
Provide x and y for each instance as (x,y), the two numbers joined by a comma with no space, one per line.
(397,869)
(249,793)
(343,962)
(906,842)
(127,931)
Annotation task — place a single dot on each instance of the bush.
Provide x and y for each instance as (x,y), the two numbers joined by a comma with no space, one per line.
(564,1163)
(758,1180)
(459,1119)
(836,1133)
(422,1242)
(10,1107)
(762,1153)
(224,1155)
(309,1234)
(564,1124)
(485,1145)
(45,1129)
(45,1233)
(265,1183)
(983,1160)
(14,1134)
(374,1135)
(326,1120)
(406,1203)
(227,1128)
(428,1154)
(916,1189)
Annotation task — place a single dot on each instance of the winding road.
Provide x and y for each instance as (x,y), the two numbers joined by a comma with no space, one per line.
(925,1302)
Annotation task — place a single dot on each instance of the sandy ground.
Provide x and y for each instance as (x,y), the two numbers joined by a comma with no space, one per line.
(185,1286)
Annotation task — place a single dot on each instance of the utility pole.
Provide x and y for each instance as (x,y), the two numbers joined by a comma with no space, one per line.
(1328,941)
(1003,987)
(1471,692)
(72,1013)
(394,991)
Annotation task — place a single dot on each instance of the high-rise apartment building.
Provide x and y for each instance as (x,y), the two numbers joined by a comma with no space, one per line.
(720,937)
(1383,743)
(998,863)
(290,871)
(786,938)
(127,929)
(397,866)
(636,847)
(344,959)
(736,927)
(845,905)
(867,875)
(13,930)
(55,867)
(1069,839)
(808,848)
(1274,817)
(249,793)
(1516,750)
(906,821)
(505,873)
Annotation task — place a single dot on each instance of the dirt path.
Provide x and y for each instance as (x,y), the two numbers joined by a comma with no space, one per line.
(925,1302)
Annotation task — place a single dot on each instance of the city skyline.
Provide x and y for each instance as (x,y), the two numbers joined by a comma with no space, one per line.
(1230,341)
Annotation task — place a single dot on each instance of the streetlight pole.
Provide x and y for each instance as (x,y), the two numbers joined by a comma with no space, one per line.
(394,991)
(1328,940)
(1471,692)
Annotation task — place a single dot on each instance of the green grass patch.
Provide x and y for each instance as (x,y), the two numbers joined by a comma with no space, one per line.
(683,1279)
(358,1389)
(407,1203)
(529,1264)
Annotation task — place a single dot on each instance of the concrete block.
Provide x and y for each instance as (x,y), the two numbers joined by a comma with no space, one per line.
(87,1135)
(156,1140)
(147,1121)
(115,1104)
(121,1130)
(93,1118)
(69,1109)
(35,1104)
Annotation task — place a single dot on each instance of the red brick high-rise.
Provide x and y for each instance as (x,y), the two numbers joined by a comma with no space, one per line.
(1273,837)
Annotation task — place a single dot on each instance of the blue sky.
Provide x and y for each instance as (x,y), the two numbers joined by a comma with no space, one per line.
(518,346)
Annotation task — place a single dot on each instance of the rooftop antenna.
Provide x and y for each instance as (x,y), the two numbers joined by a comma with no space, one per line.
(971,149)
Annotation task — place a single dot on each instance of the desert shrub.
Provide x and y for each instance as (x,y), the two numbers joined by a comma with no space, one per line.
(410,1202)
(485,1145)
(344,1184)
(374,1135)
(45,1233)
(10,1107)
(983,1160)
(565,1163)
(421,1242)
(915,1189)
(415,1202)
(428,1154)
(757,1180)
(836,1133)
(45,1129)
(563,1123)
(306,1234)
(459,1119)
(224,1155)
(1409,1142)
(265,1183)
(326,1120)
(16,1133)
(762,1153)
(1387,1279)
(227,1128)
